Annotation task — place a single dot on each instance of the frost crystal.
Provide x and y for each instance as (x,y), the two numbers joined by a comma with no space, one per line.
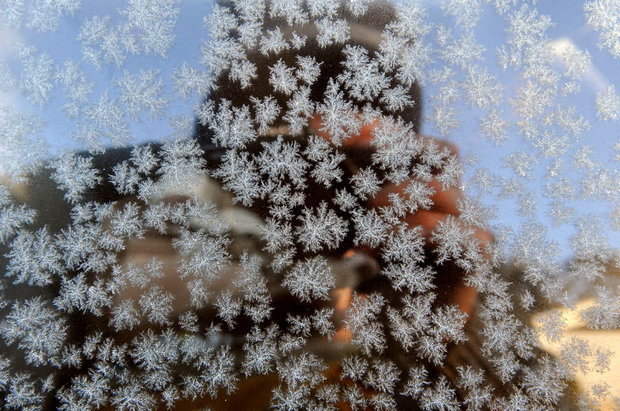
(308,204)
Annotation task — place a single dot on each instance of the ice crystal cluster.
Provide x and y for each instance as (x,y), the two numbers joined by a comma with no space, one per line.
(260,221)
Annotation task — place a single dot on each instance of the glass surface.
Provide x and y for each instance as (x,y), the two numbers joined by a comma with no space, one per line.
(309,204)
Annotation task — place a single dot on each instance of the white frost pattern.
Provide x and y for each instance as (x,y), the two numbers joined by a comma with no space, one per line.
(293,233)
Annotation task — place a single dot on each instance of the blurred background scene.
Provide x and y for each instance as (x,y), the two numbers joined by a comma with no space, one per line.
(297,204)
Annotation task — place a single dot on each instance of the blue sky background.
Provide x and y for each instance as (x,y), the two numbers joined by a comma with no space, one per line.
(569,22)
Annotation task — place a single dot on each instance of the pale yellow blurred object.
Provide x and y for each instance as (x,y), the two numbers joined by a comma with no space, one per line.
(604,339)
